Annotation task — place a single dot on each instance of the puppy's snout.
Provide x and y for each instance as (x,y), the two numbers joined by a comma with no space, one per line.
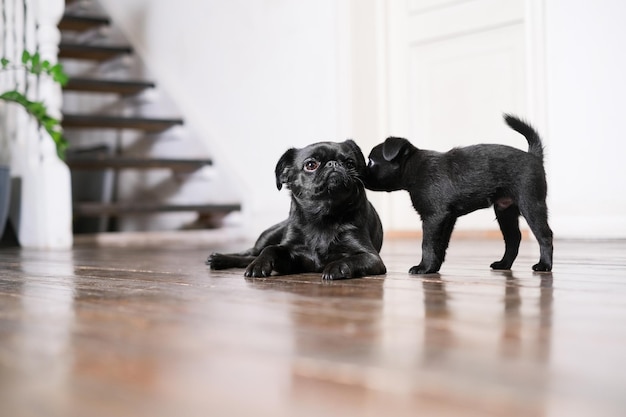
(332,164)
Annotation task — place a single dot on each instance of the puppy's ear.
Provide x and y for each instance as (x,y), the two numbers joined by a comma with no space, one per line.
(392,147)
(283,167)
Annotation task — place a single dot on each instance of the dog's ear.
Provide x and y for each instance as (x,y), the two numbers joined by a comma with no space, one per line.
(393,146)
(356,150)
(283,167)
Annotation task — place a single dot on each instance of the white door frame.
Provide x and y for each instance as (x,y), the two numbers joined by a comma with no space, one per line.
(366,92)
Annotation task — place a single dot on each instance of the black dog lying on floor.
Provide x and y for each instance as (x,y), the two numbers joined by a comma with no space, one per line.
(444,186)
(332,227)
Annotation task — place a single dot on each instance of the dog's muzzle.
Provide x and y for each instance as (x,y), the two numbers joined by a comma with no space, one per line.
(338,178)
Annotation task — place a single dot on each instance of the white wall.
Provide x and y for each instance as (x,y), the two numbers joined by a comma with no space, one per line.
(255,76)
(586,141)
(259,76)
(579,107)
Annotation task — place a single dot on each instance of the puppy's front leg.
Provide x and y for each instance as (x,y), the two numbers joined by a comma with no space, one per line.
(354,266)
(436,237)
(272,258)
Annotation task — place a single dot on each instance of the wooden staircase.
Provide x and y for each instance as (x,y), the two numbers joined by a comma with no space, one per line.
(81,23)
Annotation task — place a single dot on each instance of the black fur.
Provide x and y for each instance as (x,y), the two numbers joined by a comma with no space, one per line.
(332,227)
(445,186)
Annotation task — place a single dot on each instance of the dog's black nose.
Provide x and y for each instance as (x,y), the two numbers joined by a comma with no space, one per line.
(332,164)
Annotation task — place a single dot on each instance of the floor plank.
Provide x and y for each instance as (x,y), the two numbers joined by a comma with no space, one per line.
(150,330)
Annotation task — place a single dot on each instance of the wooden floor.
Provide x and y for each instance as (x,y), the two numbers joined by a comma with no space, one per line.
(153,332)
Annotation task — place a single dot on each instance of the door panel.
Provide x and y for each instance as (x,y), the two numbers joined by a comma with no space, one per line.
(454,68)
(448,19)
(459,88)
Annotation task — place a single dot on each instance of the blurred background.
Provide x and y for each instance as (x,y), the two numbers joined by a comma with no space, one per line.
(252,78)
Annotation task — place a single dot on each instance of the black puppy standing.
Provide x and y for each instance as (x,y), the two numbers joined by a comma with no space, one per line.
(332,227)
(445,186)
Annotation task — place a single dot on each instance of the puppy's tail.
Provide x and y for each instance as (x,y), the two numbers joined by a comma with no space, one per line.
(535,146)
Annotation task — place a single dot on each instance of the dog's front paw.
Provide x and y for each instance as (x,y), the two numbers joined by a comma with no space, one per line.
(217,261)
(261,267)
(337,270)
(423,269)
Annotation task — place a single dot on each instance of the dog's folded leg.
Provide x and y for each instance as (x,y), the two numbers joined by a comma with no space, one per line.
(354,266)
(273,258)
(231,260)
(508,219)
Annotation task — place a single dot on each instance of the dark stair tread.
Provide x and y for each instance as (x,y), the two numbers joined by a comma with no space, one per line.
(81,23)
(146,124)
(115,209)
(96,85)
(92,52)
(122,162)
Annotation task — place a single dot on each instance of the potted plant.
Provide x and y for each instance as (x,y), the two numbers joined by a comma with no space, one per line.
(34,65)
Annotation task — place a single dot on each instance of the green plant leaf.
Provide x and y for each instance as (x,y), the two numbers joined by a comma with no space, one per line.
(58,74)
(14,96)
(33,64)
(40,112)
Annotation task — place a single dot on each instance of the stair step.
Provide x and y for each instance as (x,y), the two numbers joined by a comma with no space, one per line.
(92,52)
(81,23)
(151,125)
(108,162)
(117,209)
(94,85)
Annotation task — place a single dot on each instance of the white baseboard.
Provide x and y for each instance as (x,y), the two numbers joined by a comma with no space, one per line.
(589,227)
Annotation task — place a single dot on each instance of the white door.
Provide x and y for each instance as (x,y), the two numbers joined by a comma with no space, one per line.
(454,67)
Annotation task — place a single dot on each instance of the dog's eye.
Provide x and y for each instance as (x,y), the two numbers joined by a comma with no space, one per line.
(370,162)
(350,164)
(311,165)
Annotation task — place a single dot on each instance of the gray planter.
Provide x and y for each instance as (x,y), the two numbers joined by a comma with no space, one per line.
(5,194)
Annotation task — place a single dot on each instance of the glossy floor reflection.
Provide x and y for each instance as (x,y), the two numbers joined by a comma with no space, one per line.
(152,332)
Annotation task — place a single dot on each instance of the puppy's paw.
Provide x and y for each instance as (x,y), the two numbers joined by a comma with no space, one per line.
(501,265)
(542,267)
(261,267)
(423,269)
(337,270)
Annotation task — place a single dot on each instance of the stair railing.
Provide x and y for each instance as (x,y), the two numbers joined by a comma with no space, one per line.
(41,201)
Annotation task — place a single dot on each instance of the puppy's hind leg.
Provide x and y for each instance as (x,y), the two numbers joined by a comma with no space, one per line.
(536,216)
(508,219)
